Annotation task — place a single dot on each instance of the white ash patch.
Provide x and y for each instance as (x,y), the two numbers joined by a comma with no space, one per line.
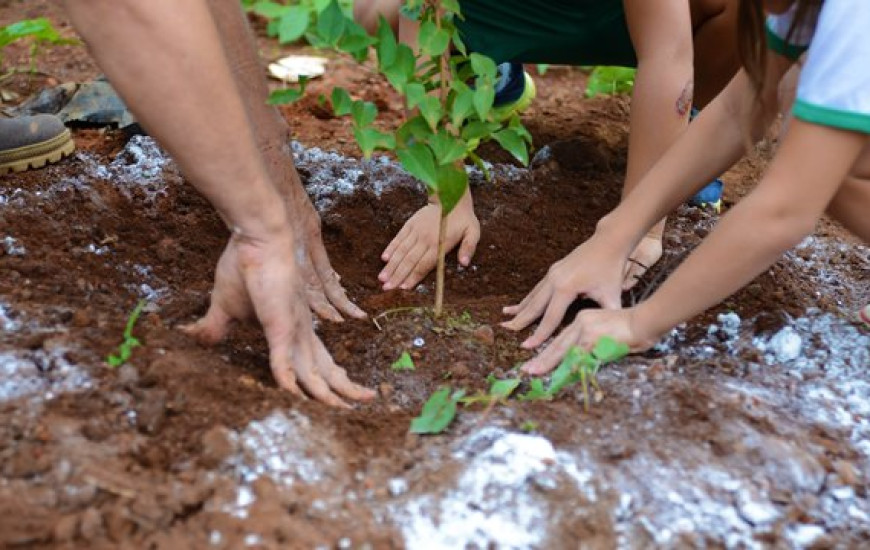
(147,286)
(39,373)
(499,500)
(328,175)
(9,321)
(825,260)
(12,246)
(283,447)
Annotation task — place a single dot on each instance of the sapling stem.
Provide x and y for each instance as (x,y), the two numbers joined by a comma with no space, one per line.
(439,276)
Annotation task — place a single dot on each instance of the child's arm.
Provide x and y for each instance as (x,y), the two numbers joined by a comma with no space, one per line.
(713,143)
(413,252)
(803,178)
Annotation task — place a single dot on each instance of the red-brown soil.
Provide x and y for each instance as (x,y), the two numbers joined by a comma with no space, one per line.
(711,441)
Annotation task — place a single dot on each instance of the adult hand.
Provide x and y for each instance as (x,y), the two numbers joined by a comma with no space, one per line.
(589,326)
(323,290)
(259,276)
(414,251)
(592,270)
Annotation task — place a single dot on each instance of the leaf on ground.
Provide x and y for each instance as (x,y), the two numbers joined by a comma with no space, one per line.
(404,362)
(536,392)
(438,412)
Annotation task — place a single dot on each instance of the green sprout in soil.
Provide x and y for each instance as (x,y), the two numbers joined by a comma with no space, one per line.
(438,412)
(404,362)
(579,366)
(39,31)
(529,426)
(125,349)
(448,93)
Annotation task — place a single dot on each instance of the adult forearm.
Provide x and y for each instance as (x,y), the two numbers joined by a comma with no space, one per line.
(166,60)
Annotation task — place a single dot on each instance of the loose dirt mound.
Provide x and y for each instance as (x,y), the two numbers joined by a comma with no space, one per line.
(746,428)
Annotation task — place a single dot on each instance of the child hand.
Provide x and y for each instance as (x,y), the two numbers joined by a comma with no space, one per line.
(589,326)
(645,255)
(592,270)
(413,253)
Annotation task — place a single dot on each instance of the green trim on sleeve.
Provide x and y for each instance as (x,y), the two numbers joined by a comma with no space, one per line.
(779,45)
(826,116)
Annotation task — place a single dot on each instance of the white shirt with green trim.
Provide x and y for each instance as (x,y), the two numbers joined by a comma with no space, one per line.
(834,85)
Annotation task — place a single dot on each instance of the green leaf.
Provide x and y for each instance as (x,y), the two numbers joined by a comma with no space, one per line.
(511,142)
(363,113)
(438,412)
(452,183)
(567,373)
(536,392)
(267,9)
(415,129)
(608,350)
(404,362)
(432,40)
(401,71)
(387,44)
(356,44)
(288,95)
(610,81)
(431,110)
(370,140)
(484,67)
(451,6)
(419,161)
(502,389)
(414,94)
(293,23)
(477,129)
(484,96)
(447,148)
(331,23)
(463,104)
(341,102)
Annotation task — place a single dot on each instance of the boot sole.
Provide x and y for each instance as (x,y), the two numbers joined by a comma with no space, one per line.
(37,155)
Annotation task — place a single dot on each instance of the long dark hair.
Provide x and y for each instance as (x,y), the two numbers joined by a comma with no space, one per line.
(752,37)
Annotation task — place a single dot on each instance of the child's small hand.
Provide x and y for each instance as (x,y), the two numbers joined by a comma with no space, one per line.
(413,253)
(645,255)
(592,270)
(589,326)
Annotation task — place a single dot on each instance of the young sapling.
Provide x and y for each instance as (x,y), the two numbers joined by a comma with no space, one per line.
(448,93)
(125,349)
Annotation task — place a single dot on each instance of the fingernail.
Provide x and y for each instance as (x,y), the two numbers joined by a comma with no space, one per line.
(464,260)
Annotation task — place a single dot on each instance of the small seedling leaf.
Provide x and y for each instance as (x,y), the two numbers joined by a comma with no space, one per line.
(536,392)
(341,102)
(502,389)
(610,81)
(370,140)
(331,23)
(567,373)
(438,412)
(404,362)
(363,113)
(608,350)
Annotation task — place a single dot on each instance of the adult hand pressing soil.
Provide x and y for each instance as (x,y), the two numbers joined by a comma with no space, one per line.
(324,292)
(165,59)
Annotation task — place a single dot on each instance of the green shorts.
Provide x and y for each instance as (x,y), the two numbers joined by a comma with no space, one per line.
(558,32)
